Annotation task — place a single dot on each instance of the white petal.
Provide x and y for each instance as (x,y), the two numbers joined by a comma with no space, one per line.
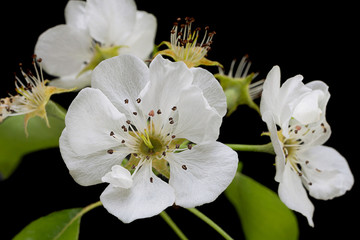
(167,81)
(211,88)
(111,21)
(121,78)
(75,14)
(308,110)
(313,134)
(88,169)
(290,95)
(201,174)
(118,177)
(293,194)
(277,145)
(328,172)
(141,42)
(63,49)
(90,119)
(196,121)
(270,92)
(320,86)
(146,198)
(73,81)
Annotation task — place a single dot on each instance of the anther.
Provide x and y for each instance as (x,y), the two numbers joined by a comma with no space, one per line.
(110,151)
(151,113)
(151,180)
(174,108)
(173,136)
(138,100)
(190,146)
(184,167)
(123,141)
(112,133)
(135,113)
(164,153)
(126,101)
(323,126)
(128,121)
(158,111)
(177,146)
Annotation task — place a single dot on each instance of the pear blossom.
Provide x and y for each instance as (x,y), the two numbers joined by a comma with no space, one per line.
(95,30)
(295,116)
(31,98)
(186,46)
(151,134)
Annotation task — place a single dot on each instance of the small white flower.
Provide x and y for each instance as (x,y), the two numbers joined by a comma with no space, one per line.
(166,120)
(302,162)
(95,30)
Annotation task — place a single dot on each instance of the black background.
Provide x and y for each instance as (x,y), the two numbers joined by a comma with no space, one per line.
(318,41)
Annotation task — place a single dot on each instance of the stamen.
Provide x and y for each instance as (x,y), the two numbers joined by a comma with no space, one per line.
(184,167)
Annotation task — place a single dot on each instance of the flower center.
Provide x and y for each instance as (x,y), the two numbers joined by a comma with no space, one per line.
(291,145)
(100,53)
(301,137)
(150,145)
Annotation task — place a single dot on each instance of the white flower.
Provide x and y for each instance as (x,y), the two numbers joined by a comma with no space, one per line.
(302,162)
(95,30)
(166,120)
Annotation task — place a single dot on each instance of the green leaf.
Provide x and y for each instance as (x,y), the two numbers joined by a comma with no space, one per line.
(14,144)
(262,214)
(61,225)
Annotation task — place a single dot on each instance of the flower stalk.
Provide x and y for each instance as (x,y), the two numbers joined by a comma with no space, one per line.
(210,222)
(173,225)
(265,148)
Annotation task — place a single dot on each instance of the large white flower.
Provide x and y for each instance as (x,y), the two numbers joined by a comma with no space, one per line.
(301,160)
(95,30)
(165,119)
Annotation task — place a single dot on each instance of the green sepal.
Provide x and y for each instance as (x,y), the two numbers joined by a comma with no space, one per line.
(237,92)
(263,215)
(14,143)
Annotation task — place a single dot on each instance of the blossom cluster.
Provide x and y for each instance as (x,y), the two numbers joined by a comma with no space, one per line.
(147,124)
